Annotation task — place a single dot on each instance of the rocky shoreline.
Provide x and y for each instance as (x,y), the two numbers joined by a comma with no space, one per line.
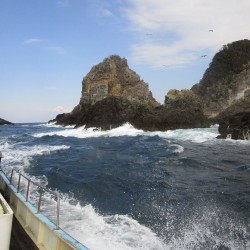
(113,94)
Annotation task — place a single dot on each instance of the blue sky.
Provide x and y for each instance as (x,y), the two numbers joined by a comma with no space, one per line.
(48,46)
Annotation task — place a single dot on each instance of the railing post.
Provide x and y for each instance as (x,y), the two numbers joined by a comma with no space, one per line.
(58,212)
(18,185)
(12,170)
(27,192)
(40,199)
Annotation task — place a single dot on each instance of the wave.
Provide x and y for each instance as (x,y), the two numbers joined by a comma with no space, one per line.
(109,232)
(209,227)
(20,157)
(195,135)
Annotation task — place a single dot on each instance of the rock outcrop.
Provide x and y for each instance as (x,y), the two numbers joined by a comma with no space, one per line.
(225,90)
(227,80)
(182,109)
(114,78)
(235,121)
(4,122)
(113,94)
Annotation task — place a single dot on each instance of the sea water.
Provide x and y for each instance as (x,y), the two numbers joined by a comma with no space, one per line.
(125,188)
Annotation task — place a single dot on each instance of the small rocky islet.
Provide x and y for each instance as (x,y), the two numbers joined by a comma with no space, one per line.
(4,122)
(113,94)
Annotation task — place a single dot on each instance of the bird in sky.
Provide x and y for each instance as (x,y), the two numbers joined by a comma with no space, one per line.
(204,56)
(148,34)
(211,30)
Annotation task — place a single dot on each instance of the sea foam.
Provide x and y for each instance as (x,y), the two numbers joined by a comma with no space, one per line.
(194,135)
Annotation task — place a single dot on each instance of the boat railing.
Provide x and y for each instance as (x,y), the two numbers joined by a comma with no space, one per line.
(41,190)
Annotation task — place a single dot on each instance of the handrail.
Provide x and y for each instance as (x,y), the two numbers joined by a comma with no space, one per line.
(41,190)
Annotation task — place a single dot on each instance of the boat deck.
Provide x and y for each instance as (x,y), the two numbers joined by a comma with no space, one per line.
(19,239)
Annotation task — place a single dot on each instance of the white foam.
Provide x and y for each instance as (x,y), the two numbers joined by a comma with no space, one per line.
(82,132)
(104,232)
(179,149)
(207,228)
(198,135)
(20,157)
(211,228)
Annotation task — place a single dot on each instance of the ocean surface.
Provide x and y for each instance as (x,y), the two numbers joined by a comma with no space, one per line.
(127,189)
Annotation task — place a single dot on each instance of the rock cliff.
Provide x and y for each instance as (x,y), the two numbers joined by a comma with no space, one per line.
(227,80)
(235,121)
(113,94)
(113,77)
(225,90)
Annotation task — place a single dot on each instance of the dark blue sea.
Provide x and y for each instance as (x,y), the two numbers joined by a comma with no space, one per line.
(127,189)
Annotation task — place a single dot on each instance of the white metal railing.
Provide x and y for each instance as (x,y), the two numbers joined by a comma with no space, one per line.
(40,189)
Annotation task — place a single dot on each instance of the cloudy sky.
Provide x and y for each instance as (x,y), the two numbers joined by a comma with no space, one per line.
(48,46)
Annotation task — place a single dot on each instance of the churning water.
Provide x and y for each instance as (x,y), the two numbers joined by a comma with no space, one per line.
(130,189)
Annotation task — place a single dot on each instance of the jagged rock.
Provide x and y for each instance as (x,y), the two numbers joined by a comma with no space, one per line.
(227,80)
(235,127)
(112,112)
(234,122)
(113,77)
(113,94)
(4,122)
(182,99)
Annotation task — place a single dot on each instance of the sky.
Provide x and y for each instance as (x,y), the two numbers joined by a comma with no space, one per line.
(48,46)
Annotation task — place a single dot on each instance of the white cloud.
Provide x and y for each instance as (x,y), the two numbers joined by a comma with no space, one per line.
(32,40)
(180,29)
(60,109)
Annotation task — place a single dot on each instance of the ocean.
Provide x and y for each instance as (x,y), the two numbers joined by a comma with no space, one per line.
(125,189)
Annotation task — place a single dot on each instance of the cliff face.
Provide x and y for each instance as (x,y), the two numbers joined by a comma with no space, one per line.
(235,120)
(182,99)
(227,80)
(114,78)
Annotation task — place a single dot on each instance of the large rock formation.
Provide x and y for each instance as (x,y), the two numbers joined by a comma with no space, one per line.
(227,80)
(4,122)
(225,90)
(182,109)
(113,94)
(113,77)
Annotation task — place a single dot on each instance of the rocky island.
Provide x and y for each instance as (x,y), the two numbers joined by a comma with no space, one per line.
(113,94)
(4,122)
